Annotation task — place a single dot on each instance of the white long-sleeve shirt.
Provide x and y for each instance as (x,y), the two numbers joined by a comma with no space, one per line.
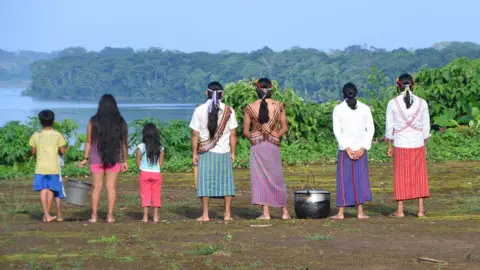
(408,128)
(353,129)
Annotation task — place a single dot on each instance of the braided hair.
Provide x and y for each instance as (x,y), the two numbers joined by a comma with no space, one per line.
(214,93)
(350,92)
(405,83)
(264,90)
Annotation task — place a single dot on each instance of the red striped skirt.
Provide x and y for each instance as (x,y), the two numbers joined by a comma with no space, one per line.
(410,179)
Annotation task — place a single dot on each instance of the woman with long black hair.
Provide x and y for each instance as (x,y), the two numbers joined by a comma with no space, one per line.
(265,122)
(107,150)
(214,124)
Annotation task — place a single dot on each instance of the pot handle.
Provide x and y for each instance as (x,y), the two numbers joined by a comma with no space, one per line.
(310,174)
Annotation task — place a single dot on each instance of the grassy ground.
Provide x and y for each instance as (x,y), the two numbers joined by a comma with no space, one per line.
(450,233)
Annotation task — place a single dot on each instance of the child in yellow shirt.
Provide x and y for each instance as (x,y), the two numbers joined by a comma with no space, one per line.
(47,144)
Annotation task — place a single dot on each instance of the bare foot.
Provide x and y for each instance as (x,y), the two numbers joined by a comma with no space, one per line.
(285,217)
(337,216)
(49,219)
(396,215)
(420,215)
(228,218)
(156,219)
(110,220)
(262,217)
(145,220)
(363,217)
(203,219)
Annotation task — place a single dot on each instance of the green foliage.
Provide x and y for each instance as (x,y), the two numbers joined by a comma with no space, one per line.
(14,138)
(175,136)
(455,87)
(309,139)
(162,75)
(447,119)
(475,121)
(377,97)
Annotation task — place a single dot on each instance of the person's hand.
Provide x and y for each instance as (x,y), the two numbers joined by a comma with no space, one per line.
(83,163)
(390,152)
(350,153)
(359,153)
(195,159)
(124,167)
(233,157)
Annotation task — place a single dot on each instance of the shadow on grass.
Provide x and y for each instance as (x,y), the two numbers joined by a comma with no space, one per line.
(380,209)
(135,215)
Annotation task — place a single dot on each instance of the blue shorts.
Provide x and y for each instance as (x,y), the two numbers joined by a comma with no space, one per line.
(52,182)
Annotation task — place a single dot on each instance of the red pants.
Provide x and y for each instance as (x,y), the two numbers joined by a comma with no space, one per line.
(151,189)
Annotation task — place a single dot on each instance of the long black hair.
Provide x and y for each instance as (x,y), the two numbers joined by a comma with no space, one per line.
(264,91)
(214,88)
(350,92)
(153,145)
(405,82)
(109,131)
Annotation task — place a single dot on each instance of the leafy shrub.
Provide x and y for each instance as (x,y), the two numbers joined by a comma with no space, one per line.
(453,87)
(14,138)
(309,139)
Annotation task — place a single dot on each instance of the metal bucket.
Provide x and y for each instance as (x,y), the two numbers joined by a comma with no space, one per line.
(312,203)
(77,192)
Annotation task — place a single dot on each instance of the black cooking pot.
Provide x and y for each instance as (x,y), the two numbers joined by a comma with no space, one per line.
(312,203)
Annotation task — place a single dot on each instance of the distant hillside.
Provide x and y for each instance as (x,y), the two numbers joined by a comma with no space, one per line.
(14,66)
(174,76)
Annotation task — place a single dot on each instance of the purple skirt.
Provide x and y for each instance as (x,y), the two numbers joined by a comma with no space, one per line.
(353,186)
(268,184)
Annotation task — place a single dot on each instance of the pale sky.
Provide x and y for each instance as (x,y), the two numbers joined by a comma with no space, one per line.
(234,25)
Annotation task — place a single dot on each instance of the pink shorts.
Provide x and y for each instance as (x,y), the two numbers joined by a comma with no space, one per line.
(99,168)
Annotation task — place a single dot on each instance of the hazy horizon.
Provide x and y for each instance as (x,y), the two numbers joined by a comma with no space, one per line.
(236,26)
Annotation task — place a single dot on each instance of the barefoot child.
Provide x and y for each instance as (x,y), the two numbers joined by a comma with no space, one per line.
(354,129)
(46,145)
(150,157)
(58,196)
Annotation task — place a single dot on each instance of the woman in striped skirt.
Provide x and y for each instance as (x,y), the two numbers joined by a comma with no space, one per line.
(214,123)
(354,129)
(408,127)
(265,122)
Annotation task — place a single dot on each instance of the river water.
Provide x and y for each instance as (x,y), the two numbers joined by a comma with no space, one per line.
(15,107)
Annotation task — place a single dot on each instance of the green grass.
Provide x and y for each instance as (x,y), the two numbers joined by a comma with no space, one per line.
(16,203)
(202,251)
(453,212)
(112,239)
(317,237)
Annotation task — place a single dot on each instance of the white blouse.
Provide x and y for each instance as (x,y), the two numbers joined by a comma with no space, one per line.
(408,128)
(199,123)
(353,128)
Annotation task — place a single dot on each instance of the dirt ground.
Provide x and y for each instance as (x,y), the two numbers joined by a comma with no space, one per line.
(450,233)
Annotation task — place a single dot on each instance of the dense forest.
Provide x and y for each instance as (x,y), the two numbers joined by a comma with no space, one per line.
(173,76)
(452,93)
(15,66)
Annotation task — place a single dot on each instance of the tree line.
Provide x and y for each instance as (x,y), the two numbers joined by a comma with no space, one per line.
(173,76)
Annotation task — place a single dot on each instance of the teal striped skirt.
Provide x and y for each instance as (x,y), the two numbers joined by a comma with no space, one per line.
(215,175)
